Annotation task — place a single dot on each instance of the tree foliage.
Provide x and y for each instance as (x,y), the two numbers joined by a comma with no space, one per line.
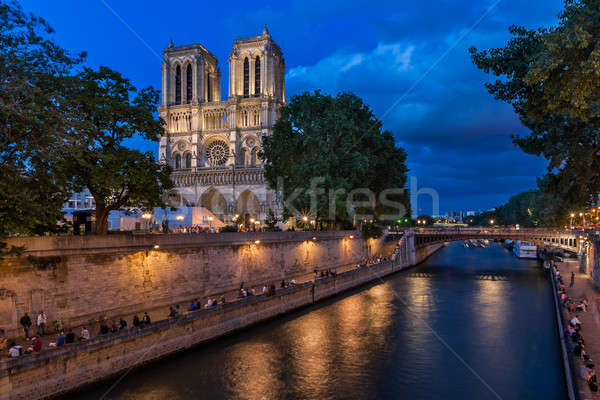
(63,128)
(339,142)
(532,209)
(551,78)
(34,80)
(107,110)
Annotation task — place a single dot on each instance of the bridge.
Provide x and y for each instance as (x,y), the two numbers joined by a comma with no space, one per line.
(564,239)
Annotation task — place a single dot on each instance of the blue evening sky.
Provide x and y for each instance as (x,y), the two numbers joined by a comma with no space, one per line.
(456,135)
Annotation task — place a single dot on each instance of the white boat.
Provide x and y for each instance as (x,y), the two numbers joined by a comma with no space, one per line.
(523,249)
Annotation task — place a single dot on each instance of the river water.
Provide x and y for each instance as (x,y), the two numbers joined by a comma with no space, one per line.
(465,324)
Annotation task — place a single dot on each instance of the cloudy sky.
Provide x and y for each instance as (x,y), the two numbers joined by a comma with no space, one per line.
(408,60)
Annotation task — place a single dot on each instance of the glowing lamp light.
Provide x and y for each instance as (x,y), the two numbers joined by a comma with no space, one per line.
(304,219)
(179,217)
(314,238)
(351,236)
(252,220)
(257,242)
(156,247)
(257,222)
(312,221)
(147,215)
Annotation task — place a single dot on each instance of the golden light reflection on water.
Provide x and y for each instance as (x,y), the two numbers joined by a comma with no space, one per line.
(491,311)
(250,372)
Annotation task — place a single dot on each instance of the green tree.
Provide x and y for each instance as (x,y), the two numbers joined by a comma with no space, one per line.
(107,110)
(532,209)
(338,145)
(551,80)
(34,82)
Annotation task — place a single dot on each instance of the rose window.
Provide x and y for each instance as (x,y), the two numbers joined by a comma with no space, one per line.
(217,153)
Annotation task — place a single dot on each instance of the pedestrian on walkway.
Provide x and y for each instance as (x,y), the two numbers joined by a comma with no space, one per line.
(26,323)
(572,279)
(41,323)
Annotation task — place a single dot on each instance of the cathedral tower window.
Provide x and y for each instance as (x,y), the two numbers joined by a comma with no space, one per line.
(188,86)
(178,161)
(246,77)
(178,85)
(188,161)
(208,88)
(257,77)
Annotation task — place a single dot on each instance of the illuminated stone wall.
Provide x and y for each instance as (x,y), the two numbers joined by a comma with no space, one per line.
(80,279)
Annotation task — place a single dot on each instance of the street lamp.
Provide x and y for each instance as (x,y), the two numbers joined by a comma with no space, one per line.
(491,222)
(147,216)
(210,218)
(179,217)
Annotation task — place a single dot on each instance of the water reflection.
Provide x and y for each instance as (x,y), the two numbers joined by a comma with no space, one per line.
(379,342)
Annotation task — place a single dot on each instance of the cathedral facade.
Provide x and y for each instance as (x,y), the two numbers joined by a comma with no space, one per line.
(212,145)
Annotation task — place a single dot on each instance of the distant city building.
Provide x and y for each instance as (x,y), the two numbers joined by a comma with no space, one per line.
(213,145)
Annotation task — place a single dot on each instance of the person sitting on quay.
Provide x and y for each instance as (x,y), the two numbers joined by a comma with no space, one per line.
(36,345)
(198,305)
(591,378)
(85,334)
(222,300)
(209,303)
(172,312)
(242,293)
(575,321)
(136,321)
(122,324)
(265,289)
(70,337)
(582,305)
(60,339)
(104,327)
(146,320)
(193,305)
(15,350)
(26,323)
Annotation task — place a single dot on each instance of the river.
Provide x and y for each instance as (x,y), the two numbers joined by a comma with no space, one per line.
(465,324)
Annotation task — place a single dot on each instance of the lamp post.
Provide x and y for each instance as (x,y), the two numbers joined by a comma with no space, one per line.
(572,216)
(582,219)
(147,216)
(210,219)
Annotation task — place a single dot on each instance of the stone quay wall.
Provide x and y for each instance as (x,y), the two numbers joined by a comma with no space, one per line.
(62,370)
(82,278)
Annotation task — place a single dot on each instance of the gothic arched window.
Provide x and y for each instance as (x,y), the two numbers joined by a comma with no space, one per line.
(188,161)
(257,77)
(208,88)
(178,161)
(188,86)
(246,77)
(178,85)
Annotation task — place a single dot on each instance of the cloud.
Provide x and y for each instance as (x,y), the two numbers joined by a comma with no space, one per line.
(456,135)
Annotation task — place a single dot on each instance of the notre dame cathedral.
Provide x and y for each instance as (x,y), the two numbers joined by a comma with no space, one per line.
(212,145)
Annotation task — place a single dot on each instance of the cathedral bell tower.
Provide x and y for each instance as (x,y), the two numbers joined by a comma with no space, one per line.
(257,68)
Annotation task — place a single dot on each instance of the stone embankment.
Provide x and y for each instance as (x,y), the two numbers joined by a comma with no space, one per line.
(61,370)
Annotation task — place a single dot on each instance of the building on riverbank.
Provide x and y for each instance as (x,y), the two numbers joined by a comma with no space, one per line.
(213,145)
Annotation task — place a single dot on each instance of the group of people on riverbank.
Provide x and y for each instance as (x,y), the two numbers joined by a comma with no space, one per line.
(105,326)
(573,330)
(35,344)
(193,229)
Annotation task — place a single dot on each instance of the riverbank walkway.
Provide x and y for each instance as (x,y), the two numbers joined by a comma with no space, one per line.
(157,313)
(583,287)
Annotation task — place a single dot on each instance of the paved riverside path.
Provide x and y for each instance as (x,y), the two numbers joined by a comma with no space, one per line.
(156,314)
(590,322)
